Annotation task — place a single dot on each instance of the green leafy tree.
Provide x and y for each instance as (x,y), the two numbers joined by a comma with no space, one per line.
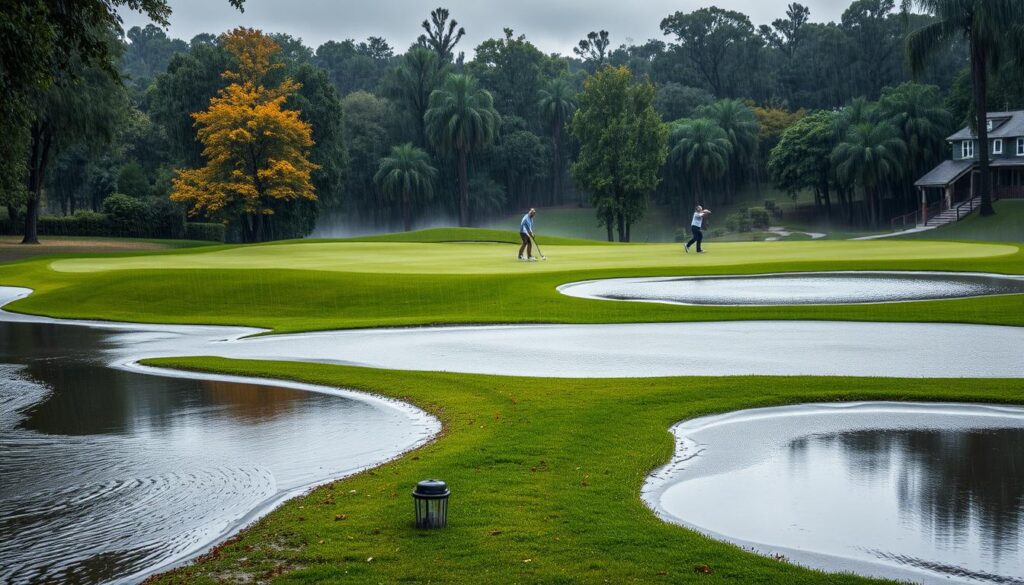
(461,120)
(45,42)
(675,100)
(148,53)
(923,123)
(622,146)
(715,42)
(802,158)
(557,103)
(742,129)
(408,177)
(988,27)
(369,126)
(413,81)
(702,150)
(869,155)
(82,107)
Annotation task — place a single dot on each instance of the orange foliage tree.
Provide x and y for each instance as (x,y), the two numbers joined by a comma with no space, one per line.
(257,152)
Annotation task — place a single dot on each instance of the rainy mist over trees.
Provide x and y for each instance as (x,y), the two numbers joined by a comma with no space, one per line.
(252,135)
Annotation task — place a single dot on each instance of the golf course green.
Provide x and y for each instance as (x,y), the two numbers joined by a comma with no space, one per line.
(545,473)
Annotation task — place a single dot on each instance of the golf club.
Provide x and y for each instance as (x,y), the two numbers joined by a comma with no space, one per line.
(542,256)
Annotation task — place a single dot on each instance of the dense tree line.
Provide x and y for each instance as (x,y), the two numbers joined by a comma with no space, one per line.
(718,105)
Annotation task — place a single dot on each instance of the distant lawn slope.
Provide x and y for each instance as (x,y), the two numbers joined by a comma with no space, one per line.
(1007,225)
(469,235)
(657,224)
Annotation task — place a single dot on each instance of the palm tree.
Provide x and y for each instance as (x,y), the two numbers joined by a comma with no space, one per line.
(870,154)
(702,148)
(460,120)
(988,27)
(923,123)
(418,74)
(557,102)
(741,128)
(407,176)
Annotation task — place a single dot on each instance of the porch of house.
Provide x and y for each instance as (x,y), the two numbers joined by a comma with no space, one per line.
(953,183)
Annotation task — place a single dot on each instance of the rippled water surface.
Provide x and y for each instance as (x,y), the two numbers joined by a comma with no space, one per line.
(832,288)
(931,493)
(108,472)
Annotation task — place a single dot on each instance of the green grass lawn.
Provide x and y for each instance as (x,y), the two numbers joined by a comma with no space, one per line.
(546,474)
(324,285)
(545,478)
(1007,225)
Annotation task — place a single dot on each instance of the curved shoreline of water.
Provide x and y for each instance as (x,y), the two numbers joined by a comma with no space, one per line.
(423,426)
(710,449)
(865,287)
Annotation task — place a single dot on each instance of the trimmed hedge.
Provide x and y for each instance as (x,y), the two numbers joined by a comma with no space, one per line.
(207,232)
(90,224)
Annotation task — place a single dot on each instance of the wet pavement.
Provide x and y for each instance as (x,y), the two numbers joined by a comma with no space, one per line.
(823,288)
(930,493)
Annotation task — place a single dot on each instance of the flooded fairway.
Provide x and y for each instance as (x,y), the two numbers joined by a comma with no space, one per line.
(108,473)
(822,288)
(925,492)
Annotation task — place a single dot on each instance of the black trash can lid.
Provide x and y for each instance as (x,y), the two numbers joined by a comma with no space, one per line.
(431,488)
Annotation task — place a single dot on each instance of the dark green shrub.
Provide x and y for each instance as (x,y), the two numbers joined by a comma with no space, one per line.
(738,223)
(208,232)
(82,223)
(759,218)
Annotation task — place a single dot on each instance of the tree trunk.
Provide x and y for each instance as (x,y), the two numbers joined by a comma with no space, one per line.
(629,235)
(979,82)
(556,140)
(463,189)
(609,221)
(621,221)
(406,212)
(38,158)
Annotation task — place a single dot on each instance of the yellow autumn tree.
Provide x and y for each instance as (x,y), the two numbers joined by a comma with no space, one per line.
(256,151)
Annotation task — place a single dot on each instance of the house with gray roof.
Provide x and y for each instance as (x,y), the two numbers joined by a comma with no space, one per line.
(953,181)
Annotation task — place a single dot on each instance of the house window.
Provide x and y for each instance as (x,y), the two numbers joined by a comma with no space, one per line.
(1020,147)
(988,125)
(967,149)
(997,146)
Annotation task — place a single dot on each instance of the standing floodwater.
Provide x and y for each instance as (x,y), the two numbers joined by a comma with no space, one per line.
(108,472)
(931,493)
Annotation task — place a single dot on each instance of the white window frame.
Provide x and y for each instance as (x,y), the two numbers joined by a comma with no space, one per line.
(997,146)
(967,149)
(989,124)
(1020,147)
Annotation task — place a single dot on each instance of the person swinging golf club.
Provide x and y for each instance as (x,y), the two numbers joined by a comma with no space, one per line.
(526,233)
(697,227)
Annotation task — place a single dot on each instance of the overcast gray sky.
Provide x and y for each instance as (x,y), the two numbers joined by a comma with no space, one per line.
(552,25)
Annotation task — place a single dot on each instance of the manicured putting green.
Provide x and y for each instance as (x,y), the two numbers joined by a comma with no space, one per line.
(484,258)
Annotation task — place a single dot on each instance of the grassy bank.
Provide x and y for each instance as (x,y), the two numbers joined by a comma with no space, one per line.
(1007,225)
(546,477)
(323,285)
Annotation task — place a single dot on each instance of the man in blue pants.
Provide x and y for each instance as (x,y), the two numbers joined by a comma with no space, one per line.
(697,227)
(526,233)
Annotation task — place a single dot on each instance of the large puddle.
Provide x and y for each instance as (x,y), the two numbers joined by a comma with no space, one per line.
(110,473)
(924,492)
(822,288)
(768,348)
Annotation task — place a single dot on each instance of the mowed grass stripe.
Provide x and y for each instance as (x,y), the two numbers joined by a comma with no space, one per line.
(476,258)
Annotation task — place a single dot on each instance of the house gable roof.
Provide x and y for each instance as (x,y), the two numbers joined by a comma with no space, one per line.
(946,173)
(1005,125)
